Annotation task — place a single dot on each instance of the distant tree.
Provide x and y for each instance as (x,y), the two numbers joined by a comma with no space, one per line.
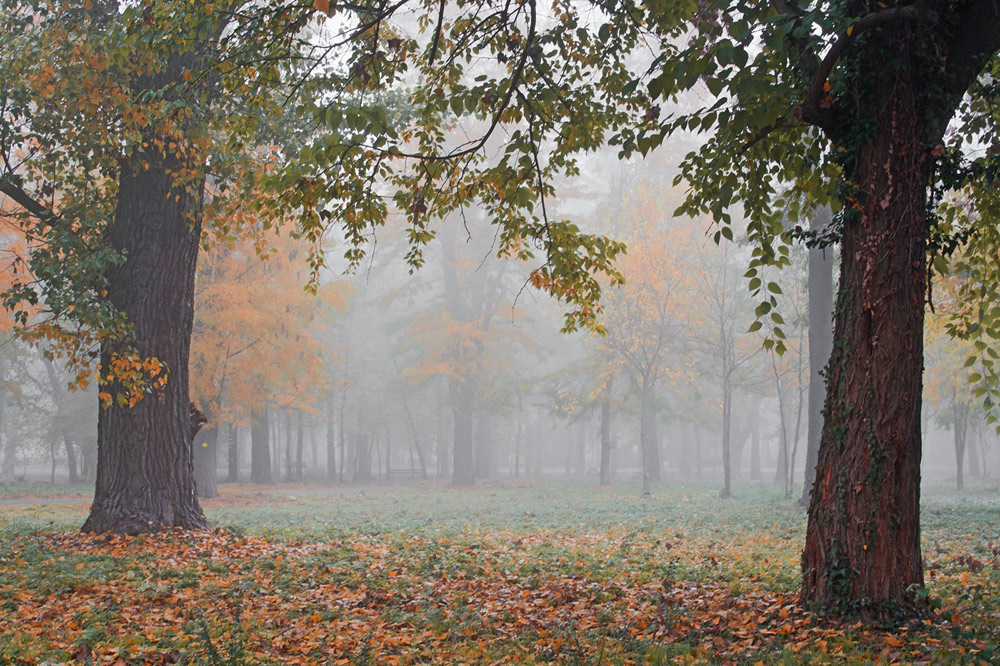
(255,341)
(722,313)
(646,319)
(820,341)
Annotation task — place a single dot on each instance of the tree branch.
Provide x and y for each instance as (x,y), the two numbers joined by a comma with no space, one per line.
(810,110)
(515,81)
(12,189)
(437,33)
(808,59)
(975,41)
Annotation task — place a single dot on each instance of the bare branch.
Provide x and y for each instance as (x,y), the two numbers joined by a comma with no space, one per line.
(437,33)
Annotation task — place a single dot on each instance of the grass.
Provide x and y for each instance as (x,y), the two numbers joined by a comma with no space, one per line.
(559,573)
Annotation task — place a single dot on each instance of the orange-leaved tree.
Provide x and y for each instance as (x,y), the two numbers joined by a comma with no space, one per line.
(256,338)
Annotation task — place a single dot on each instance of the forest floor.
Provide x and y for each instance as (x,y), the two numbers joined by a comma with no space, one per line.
(534,573)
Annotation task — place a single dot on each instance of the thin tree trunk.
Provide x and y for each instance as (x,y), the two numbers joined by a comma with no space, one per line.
(289,449)
(463,466)
(313,445)
(260,448)
(820,342)
(343,439)
(233,454)
(960,422)
(755,474)
(798,418)
(517,445)
(205,459)
(975,467)
(332,473)
(274,435)
(415,441)
(485,458)
(59,398)
(363,458)
(647,438)
(299,443)
(727,421)
(606,441)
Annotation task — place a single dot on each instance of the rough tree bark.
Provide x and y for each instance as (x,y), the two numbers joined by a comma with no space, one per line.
(145,476)
(908,72)
(862,552)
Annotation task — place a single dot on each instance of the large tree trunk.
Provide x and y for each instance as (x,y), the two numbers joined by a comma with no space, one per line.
(862,551)
(260,448)
(820,342)
(145,476)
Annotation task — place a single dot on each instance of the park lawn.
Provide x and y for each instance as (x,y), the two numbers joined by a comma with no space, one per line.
(508,573)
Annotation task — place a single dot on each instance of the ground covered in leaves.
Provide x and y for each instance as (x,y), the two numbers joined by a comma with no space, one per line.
(534,574)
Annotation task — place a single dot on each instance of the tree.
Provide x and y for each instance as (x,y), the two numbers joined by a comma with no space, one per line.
(947,390)
(114,193)
(722,310)
(851,100)
(820,341)
(645,319)
(144,81)
(255,336)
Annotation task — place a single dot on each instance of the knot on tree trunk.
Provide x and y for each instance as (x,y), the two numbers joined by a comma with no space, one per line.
(198,419)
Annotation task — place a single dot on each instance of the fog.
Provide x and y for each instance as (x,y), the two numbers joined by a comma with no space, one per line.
(459,371)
